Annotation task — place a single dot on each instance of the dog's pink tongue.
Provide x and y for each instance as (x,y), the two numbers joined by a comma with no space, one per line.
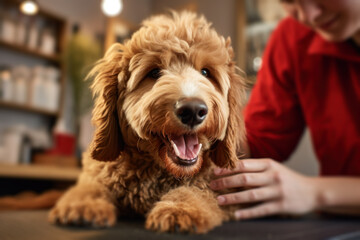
(186,146)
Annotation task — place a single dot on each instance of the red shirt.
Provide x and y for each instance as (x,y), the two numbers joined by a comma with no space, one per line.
(307,81)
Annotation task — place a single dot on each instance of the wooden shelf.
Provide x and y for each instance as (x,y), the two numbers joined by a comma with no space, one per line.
(39,172)
(33,53)
(28,108)
(56,26)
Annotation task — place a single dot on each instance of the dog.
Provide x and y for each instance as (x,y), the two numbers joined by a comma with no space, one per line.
(167,112)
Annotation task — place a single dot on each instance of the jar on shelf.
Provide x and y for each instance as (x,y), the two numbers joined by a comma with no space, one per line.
(34,32)
(38,97)
(22,29)
(8,26)
(6,86)
(52,88)
(21,76)
(47,41)
(12,145)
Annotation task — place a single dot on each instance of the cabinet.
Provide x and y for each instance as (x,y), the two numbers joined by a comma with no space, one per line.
(36,42)
(256,19)
(39,38)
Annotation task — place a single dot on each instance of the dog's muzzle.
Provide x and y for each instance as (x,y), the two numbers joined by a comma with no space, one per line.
(185,148)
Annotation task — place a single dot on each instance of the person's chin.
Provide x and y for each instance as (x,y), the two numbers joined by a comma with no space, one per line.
(332,37)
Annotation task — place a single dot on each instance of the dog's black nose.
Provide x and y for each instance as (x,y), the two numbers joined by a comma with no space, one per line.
(191,111)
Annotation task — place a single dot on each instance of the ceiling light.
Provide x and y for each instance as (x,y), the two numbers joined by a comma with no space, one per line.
(111,8)
(29,7)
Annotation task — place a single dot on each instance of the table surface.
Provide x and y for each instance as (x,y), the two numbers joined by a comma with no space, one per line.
(26,225)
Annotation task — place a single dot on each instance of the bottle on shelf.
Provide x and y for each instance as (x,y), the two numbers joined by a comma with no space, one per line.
(11,148)
(37,87)
(34,33)
(6,86)
(47,39)
(22,30)
(21,76)
(8,26)
(52,89)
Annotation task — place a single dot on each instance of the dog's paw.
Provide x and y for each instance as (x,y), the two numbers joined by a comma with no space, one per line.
(175,217)
(97,213)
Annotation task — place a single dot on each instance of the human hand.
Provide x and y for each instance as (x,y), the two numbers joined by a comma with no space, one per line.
(276,188)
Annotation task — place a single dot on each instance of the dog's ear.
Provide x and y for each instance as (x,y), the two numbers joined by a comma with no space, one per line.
(107,142)
(227,151)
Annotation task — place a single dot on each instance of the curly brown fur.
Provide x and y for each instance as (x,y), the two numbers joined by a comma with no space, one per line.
(132,162)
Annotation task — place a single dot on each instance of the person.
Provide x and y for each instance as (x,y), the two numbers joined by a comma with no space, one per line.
(310,76)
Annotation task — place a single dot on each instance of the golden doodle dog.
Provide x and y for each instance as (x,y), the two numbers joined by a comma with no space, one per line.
(167,110)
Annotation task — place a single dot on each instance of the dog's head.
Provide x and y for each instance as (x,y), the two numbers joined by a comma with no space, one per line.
(171,91)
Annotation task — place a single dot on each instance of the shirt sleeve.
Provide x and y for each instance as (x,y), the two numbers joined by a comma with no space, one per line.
(273,117)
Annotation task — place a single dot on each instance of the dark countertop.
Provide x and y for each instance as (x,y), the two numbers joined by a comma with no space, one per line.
(26,225)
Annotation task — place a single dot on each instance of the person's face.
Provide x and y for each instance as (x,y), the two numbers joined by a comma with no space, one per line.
(334,20)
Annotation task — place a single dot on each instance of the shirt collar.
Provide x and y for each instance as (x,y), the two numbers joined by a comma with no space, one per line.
(344,50)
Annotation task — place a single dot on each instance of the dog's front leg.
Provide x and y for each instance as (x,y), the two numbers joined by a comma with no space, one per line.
(87,203)
(185,209)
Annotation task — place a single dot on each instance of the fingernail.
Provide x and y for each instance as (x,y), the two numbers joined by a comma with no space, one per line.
(217,171)
(221,199)
(213,184)
(237,215)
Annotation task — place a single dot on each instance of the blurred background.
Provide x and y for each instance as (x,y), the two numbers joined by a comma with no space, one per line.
(46,49)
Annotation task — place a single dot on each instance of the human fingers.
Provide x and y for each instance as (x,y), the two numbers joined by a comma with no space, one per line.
(261,210)
(245,165)
(250,196)
(244,180)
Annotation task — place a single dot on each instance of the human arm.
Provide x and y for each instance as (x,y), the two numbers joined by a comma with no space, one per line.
(274,119)
(280,190)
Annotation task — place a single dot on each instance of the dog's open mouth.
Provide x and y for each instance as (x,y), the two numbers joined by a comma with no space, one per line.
(185,149)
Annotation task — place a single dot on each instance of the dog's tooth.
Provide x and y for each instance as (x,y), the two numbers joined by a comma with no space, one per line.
(176,150)
(198,151)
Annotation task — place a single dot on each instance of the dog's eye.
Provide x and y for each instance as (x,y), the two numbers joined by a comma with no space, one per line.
(205,72)
(154,73)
